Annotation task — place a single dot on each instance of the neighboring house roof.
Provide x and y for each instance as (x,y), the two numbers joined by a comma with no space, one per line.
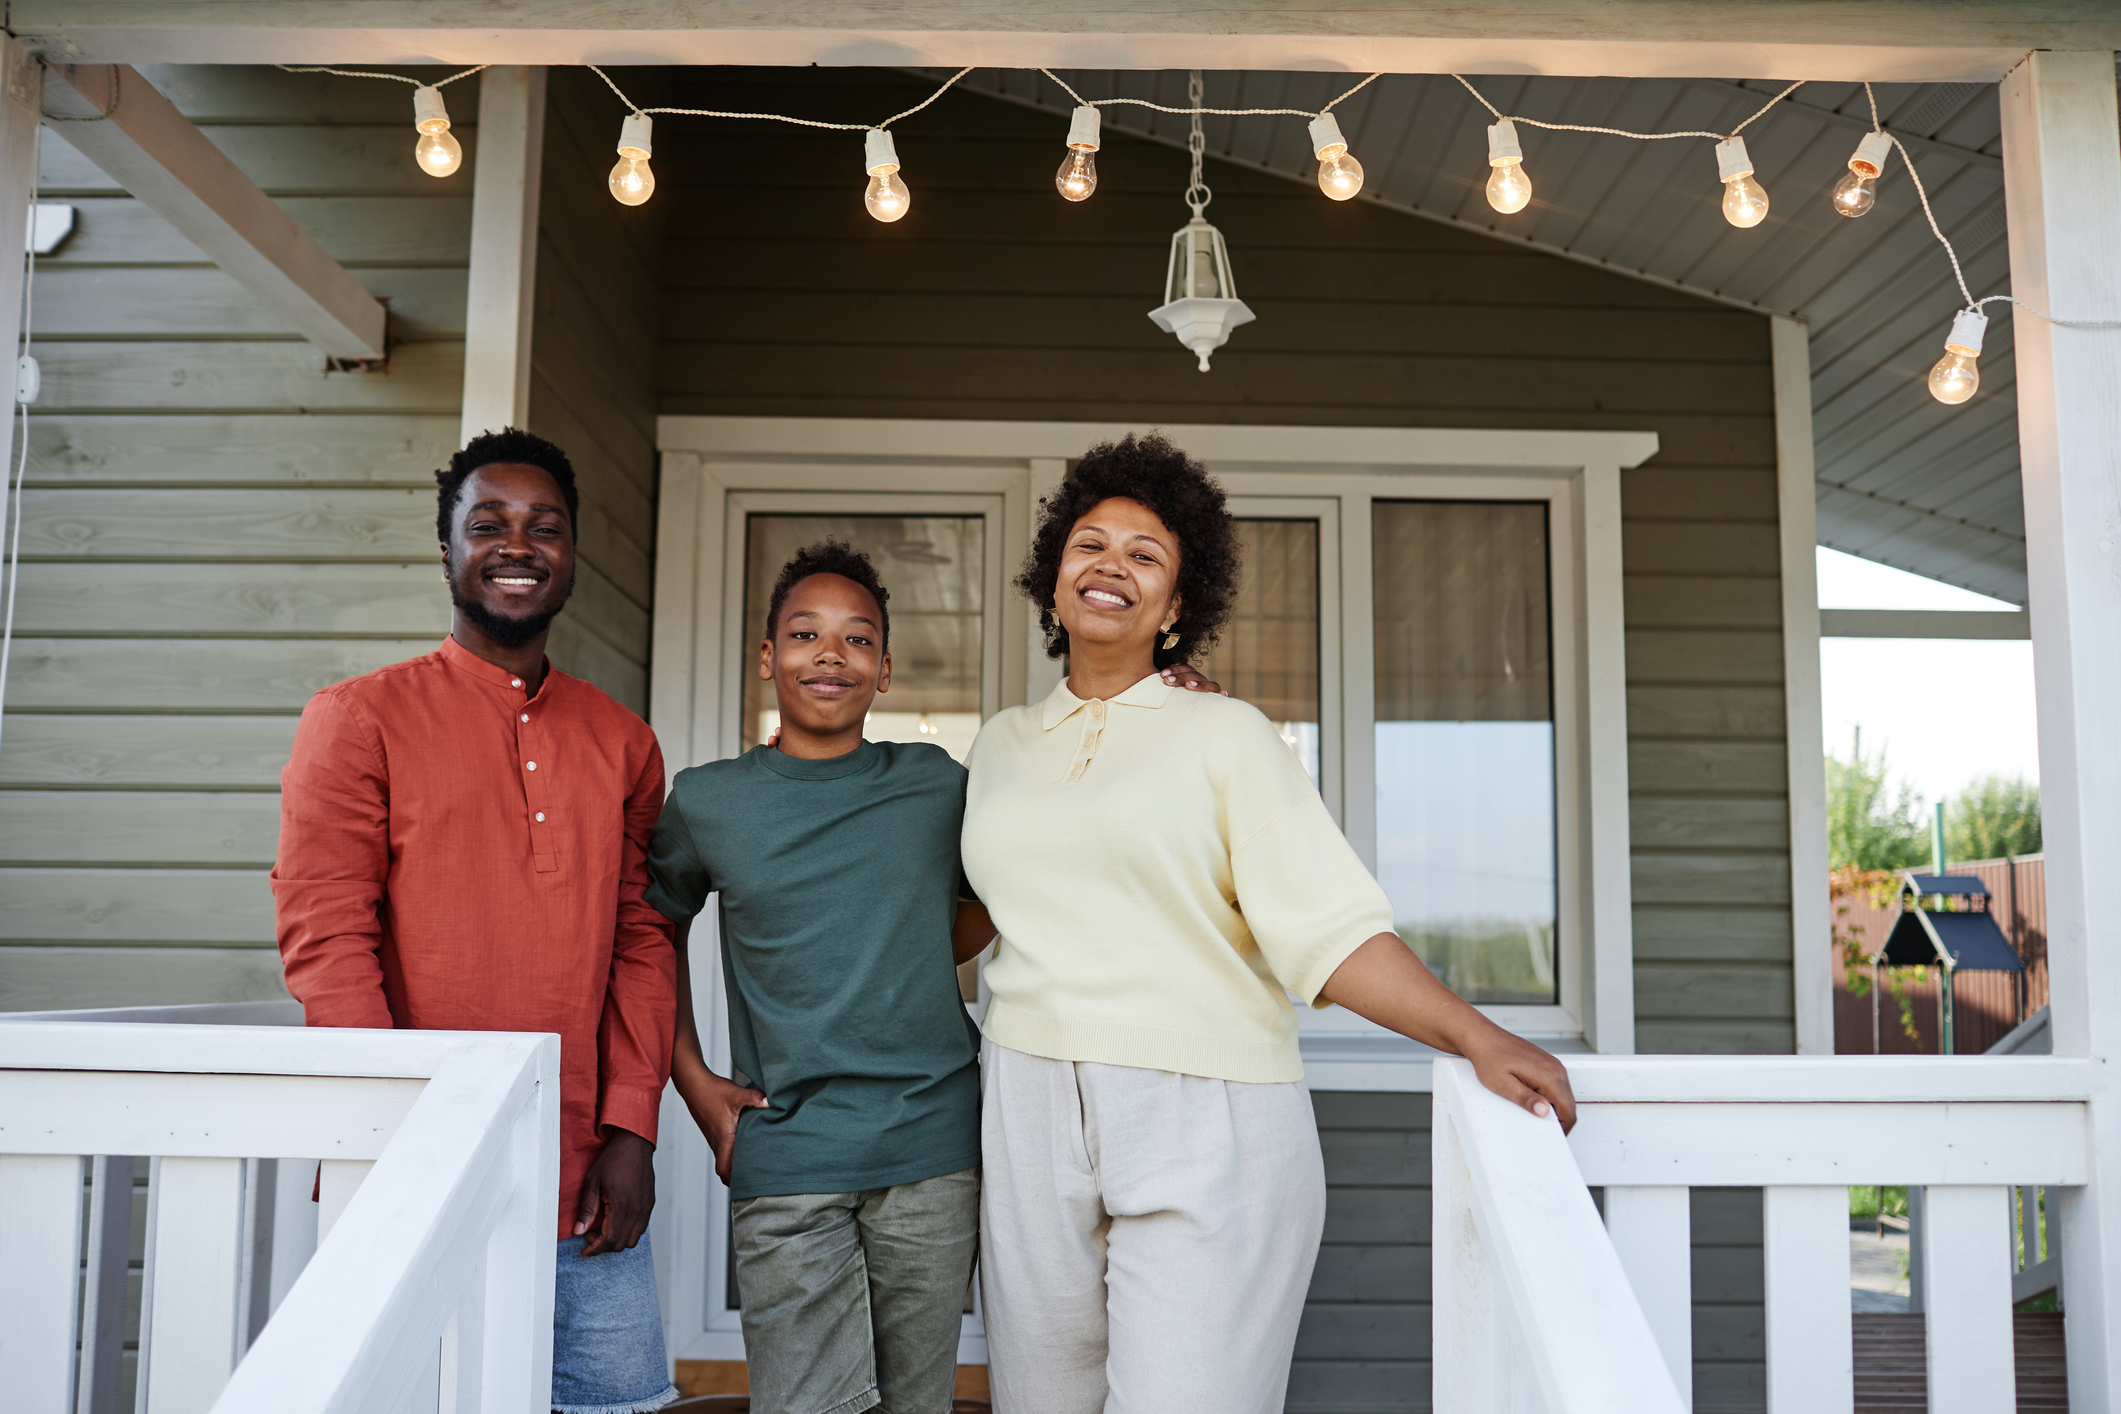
(1903,479)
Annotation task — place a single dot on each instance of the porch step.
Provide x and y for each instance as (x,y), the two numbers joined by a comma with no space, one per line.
(1891,1363)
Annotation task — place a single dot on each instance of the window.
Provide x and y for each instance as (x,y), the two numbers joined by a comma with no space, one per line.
(1268,654)
(1464,760)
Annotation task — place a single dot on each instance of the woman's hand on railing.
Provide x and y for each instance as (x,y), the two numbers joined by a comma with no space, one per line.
(1383,981)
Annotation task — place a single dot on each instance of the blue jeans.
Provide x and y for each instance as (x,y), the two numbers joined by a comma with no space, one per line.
(607,1333)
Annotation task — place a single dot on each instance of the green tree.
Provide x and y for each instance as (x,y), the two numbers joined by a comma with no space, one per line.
(1868,826)
(1993,817)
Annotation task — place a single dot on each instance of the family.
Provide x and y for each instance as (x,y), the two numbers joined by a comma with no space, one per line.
(474,840)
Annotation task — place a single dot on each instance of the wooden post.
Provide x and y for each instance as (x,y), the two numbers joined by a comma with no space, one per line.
(504,248)
(2064,206)
(21,101)
(1811,901)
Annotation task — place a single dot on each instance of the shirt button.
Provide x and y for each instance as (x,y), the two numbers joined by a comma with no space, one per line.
(526,716)
(1097,709)
(531,765)
(515,682)
(541,817)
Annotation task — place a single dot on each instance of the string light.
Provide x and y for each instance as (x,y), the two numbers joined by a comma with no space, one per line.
(1339,174)
(437,152)
(1077,176)
(631,181)
(1509,189)
(886,198)
(1857,192)
(1744,200)
(1957,377)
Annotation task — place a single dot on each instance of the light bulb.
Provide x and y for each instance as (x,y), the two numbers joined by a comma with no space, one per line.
(1957,377)
(1509,189)
(1077,176)
(436,151)
(886,197)
(631,181)
(1857,192)
(1339,175)
(1745,202)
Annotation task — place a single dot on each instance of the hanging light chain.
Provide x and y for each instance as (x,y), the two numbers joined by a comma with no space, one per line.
(1197,194)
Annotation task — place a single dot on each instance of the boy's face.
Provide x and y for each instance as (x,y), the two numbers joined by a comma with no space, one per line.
(826,659)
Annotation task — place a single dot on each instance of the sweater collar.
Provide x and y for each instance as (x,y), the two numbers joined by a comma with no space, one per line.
(1151,692)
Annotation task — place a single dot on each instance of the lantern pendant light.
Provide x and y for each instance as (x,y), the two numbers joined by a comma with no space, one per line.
(1200,303)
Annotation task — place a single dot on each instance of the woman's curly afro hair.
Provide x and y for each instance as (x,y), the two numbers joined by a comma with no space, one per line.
(1185,498)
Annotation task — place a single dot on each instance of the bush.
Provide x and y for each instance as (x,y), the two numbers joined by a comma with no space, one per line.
(1866,828)
(1993,817)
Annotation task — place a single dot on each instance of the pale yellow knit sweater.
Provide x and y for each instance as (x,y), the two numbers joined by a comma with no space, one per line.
(1160,869)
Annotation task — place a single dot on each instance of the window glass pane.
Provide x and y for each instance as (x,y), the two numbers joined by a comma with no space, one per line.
(1268,654)
(933,568)
(1465,742)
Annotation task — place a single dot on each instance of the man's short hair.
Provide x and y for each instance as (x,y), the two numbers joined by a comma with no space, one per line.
(830,557)
(510,444)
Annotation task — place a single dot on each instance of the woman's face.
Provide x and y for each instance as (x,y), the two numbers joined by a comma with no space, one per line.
(1118,576)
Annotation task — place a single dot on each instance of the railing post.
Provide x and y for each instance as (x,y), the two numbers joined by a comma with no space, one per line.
(516,1309)
(40,1247)
(1652,1230)
(1972,1367)
(2063,202)
(198,1255)
(1811,1358)
(1468,1360)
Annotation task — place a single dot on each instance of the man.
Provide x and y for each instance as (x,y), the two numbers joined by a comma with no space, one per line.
(463,846)
(854,1165)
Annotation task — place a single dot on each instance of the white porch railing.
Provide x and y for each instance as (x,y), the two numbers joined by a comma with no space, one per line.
(1540,1305)
(431,1285)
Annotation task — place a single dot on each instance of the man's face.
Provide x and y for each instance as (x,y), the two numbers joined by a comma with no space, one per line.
(826,659)
(510,556)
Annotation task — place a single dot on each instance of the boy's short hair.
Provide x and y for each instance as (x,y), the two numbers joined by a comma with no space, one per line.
(510,444)
(830,557)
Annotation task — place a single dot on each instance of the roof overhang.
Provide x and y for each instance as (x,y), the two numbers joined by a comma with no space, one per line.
(1881,40)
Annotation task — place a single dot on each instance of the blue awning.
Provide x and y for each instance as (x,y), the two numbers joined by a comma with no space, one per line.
(1974,941)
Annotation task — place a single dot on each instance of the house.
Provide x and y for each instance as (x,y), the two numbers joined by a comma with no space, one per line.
(1539,493)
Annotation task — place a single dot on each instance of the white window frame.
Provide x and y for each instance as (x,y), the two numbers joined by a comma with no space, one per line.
(717,469)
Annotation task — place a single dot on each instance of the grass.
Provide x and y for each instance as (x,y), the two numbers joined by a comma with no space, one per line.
(1868,1200)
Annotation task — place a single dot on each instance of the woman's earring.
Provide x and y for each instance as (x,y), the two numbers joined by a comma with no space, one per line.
(1170,638)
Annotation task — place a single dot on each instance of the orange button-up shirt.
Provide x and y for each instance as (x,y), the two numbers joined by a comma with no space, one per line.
(457,855)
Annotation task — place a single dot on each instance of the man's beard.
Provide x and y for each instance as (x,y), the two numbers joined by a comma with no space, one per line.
(507,630)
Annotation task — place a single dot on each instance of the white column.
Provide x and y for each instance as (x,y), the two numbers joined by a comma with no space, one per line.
(504,248)
(1652,1230)
(1811,903)
(2063,192)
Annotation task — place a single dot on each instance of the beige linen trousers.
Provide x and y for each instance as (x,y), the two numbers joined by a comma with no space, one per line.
(1146,1237)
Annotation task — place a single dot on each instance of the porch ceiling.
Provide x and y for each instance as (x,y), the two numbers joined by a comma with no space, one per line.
(1903,480)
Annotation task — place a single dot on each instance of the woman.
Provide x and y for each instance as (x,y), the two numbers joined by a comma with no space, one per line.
(1162,873)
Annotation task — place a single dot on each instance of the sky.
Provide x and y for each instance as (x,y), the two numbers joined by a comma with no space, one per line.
(1945,711)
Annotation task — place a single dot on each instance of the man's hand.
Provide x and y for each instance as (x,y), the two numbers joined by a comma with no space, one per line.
(1185,675)
(1522,1073)
(618,1193)
(716,1105)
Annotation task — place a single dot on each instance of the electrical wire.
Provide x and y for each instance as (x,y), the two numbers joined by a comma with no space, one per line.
(635,108)
(379,74)
(1194,97)
(1623,132)
(14,547)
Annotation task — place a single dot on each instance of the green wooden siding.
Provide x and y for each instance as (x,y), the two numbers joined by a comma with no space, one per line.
(215,527)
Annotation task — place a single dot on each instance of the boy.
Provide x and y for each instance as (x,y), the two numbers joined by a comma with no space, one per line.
(853,1167)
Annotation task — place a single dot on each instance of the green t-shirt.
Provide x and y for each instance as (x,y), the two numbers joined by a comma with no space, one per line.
(839,880)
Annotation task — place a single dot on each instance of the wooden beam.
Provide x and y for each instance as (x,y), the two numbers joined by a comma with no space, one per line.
(1923,623)
(2063,194)
(499,302)
(1811,903)
(155,152)
(1907,41)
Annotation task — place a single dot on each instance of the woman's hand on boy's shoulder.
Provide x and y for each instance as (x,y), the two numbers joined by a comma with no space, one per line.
(1187,676)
